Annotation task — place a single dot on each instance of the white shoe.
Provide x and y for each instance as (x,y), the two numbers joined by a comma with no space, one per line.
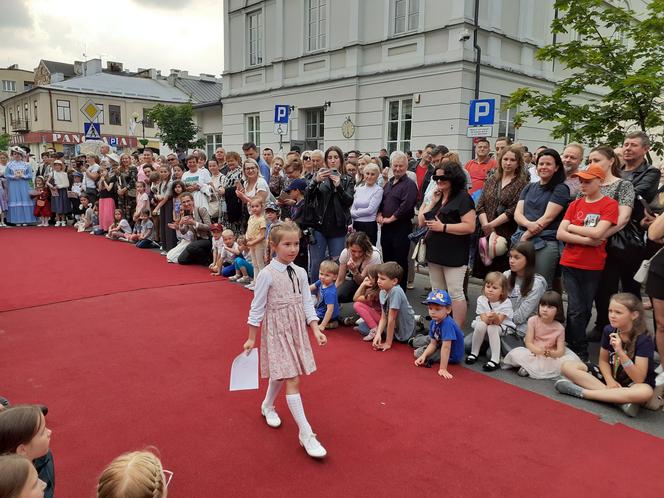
(250,286)
(311,445)
(243,280)
(234,278)
(271,417)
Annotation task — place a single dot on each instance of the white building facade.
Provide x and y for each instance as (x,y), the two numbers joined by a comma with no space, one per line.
(368,74)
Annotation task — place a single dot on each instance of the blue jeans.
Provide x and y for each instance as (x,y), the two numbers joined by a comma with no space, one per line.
(228,270)
(581,287)
(146,244)
(324,247)
(240,262)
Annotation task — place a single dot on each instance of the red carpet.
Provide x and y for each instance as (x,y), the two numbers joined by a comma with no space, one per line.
(151,367)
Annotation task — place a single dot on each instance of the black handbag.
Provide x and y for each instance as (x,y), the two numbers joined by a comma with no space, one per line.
(628,241)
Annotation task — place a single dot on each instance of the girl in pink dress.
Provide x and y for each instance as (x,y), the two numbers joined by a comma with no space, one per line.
(545,349)
(282,303)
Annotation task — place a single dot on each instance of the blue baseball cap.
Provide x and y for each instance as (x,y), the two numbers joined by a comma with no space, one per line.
(272,206)
(439,296)
(297,184)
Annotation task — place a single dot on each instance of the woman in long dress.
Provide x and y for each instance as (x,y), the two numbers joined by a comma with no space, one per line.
(19,176)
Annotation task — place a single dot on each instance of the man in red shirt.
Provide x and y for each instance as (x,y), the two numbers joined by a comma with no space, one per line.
(421,170)
(480,166)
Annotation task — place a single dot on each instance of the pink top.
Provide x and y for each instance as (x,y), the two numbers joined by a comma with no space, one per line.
(546,335)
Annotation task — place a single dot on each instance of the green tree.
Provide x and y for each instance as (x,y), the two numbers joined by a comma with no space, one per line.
(176,126)
(4,141)
(614,77)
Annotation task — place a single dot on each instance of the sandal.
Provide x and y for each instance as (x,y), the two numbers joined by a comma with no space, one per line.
(490,366)
(470,359)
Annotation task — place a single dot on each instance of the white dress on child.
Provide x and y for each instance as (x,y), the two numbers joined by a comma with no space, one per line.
(540,366)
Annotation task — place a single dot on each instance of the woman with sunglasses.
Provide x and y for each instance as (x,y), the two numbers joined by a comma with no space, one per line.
(450,217)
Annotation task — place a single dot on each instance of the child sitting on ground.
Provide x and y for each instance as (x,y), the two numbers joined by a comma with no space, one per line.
(325,289)
(244,270)
(366,304)
(444,343)
(135,474)
(120,227)
(217,244)
(84,224)
(397,318)
(545,350)
(493,314)
(229,251)
(143,230)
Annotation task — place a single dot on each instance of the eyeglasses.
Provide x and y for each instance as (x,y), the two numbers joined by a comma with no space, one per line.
(306,158)
(250,168)
(168,475)
(440,178)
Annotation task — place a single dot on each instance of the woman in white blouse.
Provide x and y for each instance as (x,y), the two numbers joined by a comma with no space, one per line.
(366,202)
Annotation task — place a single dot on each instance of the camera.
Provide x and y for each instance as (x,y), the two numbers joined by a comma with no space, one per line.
(464,36)
(309,235)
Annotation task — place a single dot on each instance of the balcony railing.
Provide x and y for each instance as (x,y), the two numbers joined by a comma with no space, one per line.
(20,125)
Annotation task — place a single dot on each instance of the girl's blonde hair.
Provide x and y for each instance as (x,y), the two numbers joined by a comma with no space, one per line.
(138,474)
(277,232)
(633,304)
(257,199)
(497,278)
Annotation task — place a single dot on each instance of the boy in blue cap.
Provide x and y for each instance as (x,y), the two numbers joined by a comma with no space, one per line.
(445,339)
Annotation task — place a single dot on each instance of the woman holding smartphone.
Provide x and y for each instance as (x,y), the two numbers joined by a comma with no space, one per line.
(450,217)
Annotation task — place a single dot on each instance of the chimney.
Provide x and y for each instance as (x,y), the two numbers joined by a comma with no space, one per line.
(208,77)
(93,66)
(78,68)
(175,72)
(114,67)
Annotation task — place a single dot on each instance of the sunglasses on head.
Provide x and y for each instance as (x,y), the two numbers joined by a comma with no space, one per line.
(440,178)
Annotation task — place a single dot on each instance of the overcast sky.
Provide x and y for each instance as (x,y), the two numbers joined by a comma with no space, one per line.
(164,34)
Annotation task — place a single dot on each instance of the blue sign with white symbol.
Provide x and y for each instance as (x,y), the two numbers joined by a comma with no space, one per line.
(481,112)
(92,131)
(113,141)
(281,114)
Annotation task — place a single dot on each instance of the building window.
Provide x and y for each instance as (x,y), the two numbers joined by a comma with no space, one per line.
(316,24)
(64,111)
(114,115)
(254,129)
(147,122)
(9,86)
(36,106)
(100,118)
(399,121)
(506,121)
(314,128)
(406,16)
(212,142)
(255,37)
(26,110)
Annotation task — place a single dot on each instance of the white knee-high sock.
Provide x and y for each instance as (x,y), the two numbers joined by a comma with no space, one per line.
(295,405)
(494,342)
(272,392)
(478,338)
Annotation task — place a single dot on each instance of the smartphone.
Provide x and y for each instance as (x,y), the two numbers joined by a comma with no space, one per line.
(430,215)
(334,172)
(187,212)
(324,171)
(646,206)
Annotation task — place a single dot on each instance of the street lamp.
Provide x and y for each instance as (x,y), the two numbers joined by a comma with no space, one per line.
(135,120)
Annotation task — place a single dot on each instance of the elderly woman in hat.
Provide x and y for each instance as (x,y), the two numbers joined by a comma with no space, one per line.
(19,178)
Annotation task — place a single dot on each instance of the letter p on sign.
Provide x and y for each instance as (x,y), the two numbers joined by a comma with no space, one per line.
(281,114)
(481,112)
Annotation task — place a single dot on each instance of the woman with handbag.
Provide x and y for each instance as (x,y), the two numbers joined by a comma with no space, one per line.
(126,186)
(540,210)
(450,218)
(624,239)
(496,206)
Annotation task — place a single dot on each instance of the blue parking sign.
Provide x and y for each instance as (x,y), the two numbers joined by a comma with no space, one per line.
(281,114)
(481,112)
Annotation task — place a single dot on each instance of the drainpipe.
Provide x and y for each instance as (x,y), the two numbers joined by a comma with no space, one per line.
(478,49)
(50,108)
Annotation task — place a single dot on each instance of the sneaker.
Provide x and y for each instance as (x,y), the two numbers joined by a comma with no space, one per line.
(370,336)
(410,285)
(350,320)
(250,286)
(234,278)
(163,253)
(243,280)
(271,417)
(566,386)
(523,372)
(311,445)
(630,409)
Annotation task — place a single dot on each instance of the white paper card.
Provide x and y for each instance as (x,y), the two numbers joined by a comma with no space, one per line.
(244,372)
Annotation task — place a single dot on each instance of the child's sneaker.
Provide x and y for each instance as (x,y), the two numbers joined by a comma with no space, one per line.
(370,335)
(234,278)
(522,372)
(243,280)
(250,286)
